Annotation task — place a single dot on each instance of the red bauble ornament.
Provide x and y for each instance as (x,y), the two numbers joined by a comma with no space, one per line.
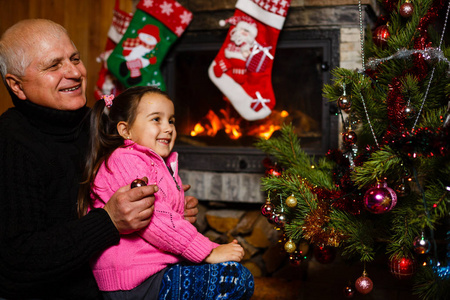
(267,209)
(271,168)
(364,284)
(380,199)
(325,254)
(406,9)
(349,137)
(403,267)
(381,35)
(274,172)
(273,218)
(139,182)
(409,112)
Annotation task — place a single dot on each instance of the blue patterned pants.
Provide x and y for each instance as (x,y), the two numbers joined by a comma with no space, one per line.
(228,281)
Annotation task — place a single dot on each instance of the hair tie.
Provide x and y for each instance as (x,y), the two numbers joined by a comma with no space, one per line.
(108,100)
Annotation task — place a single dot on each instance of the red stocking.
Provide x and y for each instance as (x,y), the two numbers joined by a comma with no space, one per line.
(106,83)
(242,69)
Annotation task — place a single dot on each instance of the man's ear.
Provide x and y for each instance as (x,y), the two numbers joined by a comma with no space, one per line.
(122,129)
(15,84)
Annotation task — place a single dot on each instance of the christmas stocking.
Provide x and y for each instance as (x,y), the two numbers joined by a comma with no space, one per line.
(242,69)
(106,83)
(155,26)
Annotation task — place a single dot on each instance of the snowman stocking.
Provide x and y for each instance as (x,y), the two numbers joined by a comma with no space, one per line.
(243,67)
(106,83)
(155,26)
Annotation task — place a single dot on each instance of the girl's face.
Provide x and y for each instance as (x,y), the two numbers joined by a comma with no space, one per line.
(154,126)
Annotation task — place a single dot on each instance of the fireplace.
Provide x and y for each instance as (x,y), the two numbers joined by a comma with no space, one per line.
(211,134)
(220,160)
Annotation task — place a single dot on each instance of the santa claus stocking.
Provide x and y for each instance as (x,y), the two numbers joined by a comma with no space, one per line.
(243,67)
(106,83)
(155,26)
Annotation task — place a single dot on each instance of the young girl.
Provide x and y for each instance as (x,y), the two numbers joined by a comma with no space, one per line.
(132,137)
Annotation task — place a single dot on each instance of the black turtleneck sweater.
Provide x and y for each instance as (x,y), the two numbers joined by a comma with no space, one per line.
(44,247)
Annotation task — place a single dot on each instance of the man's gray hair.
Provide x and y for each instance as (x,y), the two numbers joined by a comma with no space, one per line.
(17,41)
(14,63)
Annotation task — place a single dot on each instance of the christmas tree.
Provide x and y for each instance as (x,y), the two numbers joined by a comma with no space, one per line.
(386,191)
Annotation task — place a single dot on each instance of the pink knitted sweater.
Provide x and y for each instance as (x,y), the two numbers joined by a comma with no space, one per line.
(167,240)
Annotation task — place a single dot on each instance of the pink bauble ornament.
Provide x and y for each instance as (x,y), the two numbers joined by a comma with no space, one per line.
(380,199)
(406,9)
(364,284)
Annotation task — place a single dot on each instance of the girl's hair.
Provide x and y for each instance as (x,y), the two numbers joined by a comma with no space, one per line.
(104,137)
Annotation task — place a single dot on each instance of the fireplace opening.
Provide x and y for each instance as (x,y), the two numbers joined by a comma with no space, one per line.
(212,136)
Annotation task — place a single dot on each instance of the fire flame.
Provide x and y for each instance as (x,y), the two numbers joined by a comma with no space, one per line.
(211,124)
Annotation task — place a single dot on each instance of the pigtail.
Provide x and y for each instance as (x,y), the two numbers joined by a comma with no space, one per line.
(103,140)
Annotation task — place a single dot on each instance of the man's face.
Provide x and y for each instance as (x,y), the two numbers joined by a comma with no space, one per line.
(56,76)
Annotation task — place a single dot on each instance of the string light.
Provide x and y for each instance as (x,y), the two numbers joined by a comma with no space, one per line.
(364,69)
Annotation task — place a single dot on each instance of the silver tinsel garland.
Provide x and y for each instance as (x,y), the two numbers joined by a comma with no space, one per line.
(431,55)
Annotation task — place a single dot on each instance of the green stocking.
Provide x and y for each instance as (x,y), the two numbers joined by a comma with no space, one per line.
(155,26)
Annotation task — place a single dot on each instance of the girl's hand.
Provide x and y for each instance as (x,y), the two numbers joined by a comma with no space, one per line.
(227,252)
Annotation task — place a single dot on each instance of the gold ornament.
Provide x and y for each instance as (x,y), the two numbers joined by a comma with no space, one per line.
(289,246)
(291,201)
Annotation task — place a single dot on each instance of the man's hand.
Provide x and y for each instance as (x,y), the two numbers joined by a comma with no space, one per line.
(190,208)
(131,209)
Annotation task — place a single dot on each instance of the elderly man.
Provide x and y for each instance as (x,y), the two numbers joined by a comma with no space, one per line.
(44,246)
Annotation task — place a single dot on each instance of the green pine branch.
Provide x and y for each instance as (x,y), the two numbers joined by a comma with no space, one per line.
(382,164)
(288,153)
(359,235)
(428,285)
